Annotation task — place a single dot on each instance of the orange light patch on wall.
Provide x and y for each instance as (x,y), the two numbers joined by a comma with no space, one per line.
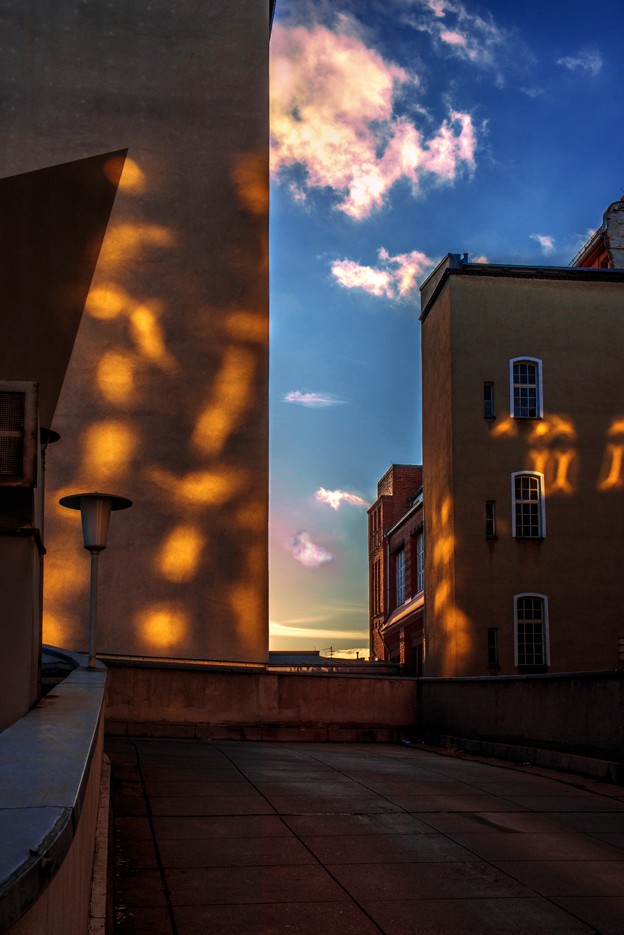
(162,626)
(611,471)
(229,401)
(115,377)
(247,607)
(108,450)
(248,326)
(507,428)
(149,337)
(251,179)
(132,178)
(124,242)
(181,553)
(55,629)
(62,578)
(198,488)
(107,301)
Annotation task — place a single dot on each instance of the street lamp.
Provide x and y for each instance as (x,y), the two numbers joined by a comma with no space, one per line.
(95,510)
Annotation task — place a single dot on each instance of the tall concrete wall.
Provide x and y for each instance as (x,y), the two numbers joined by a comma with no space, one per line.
(165,399)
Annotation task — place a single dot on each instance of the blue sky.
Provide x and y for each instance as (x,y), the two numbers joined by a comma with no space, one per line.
(403,130)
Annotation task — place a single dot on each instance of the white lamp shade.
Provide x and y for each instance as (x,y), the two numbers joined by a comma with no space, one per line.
(95,513)
(95,510)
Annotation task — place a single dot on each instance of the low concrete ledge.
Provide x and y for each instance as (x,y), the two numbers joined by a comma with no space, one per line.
(567,720)
(174,701)
(50,762)
(605,770)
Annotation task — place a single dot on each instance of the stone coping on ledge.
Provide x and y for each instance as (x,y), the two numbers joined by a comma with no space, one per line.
(45,759)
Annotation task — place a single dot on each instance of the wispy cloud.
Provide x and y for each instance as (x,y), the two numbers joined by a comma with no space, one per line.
(480,259)
(293,629)
(395,277)
(307,552)
(546,242)
(586,60)
(461,33)
(312,400)
(334,498)
(333,123)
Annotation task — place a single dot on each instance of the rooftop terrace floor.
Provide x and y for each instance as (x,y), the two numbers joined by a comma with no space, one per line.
(242,837)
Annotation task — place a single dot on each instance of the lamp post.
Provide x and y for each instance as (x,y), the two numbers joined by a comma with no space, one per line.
(95,510)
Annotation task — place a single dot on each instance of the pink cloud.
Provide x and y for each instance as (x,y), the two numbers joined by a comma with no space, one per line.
(454,26)
(546,242)
(307,553)
(480,259)
(332,114)
(311,400)
(395,278)
(334,498)
(452,38)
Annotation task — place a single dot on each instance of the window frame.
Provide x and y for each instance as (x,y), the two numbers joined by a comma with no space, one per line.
(541,504)
(420,561)
(399,577)
(545,630)
(489,400)
(490,520)
(539,388)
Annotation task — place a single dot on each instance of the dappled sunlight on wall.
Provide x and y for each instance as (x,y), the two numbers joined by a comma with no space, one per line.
(162,627)
(452,626)
(181,553)
(611,471)
(554,453)
(228,402)
(166,402)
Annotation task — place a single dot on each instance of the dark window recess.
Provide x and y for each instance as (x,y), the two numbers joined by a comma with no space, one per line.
(488,401)
(12,414)
(490,519)
(492,634)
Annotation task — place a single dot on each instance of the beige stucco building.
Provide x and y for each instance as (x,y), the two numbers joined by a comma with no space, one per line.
(165,397)
(523,453)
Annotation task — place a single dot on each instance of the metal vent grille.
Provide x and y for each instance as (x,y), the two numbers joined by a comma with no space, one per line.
(12,410)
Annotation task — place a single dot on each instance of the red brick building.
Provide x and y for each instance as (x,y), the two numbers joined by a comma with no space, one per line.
(396,568)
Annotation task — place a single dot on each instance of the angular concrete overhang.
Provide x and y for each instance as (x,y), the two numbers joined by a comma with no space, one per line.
(52,224)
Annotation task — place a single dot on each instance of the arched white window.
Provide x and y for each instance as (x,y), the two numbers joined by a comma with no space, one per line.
(525,388)
(528,516)
(531,636)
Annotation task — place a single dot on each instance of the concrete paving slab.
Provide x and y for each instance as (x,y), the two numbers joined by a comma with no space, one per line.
(564,846)
(588,821)
(210,805)
(568,877)
(604,913)
(240,885)
(140,887)
(332,825)
(475,917)
(492,822)
(332,805)
(567,803)
(234,852)
(214,826)
(302,918)
(458,880)
(384,848)
(195,787)
(476,802)
(142,921)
